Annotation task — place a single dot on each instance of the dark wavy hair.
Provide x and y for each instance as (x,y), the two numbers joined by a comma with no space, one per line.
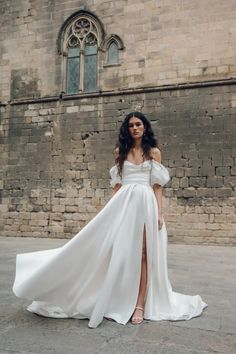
(125,140)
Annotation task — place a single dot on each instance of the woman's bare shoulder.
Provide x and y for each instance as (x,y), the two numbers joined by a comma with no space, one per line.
(116,152)
(156,154)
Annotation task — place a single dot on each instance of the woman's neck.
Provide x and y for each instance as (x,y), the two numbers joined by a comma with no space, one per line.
(137,145)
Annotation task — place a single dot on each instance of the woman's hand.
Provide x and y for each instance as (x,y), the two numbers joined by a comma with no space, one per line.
(116,188)
(160,222)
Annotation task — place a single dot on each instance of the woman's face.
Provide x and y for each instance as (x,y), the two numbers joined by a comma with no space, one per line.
(136,127)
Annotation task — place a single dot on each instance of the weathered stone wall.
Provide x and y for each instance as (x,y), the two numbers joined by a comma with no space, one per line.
(166,42)
(178,67)
(56,156)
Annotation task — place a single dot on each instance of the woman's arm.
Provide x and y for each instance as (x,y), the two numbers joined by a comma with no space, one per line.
(116,188)
(156,155)
(118,185)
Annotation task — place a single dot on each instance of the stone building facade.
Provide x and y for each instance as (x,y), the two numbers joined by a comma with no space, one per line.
(173,60)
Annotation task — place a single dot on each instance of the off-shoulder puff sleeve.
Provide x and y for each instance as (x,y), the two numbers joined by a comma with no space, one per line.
(115,177)
(159,174)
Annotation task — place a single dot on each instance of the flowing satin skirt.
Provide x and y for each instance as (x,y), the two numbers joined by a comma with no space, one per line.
(96,274)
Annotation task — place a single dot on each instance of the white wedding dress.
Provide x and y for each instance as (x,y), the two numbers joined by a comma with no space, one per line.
(96,274)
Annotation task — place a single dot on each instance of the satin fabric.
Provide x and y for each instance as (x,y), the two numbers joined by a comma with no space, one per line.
(96,274)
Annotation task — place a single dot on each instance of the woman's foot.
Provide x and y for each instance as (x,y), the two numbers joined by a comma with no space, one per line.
(137,316)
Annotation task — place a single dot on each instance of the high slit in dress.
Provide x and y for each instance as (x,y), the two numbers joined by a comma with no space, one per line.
(96,274)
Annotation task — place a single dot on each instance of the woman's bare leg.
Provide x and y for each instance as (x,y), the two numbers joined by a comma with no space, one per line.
(138,314)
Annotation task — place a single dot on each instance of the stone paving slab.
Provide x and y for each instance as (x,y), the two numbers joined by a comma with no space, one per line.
(205,270)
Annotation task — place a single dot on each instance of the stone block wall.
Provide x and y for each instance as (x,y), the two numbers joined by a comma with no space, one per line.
(56,154)
(166,42)
(177,66)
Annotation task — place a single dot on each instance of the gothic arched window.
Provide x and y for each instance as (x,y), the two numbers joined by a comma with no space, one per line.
(112,53)
(81,48)
(85,51)
(79,41)
(113,45)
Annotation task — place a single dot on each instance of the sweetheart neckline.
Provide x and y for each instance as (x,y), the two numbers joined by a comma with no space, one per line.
(151,161)
(137,164)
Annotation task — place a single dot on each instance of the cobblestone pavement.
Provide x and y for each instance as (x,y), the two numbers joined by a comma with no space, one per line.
(205,270)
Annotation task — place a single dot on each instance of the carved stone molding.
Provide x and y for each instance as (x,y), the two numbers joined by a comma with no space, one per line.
(79,29)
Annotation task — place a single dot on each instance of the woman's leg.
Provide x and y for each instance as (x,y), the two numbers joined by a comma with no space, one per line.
(138,314)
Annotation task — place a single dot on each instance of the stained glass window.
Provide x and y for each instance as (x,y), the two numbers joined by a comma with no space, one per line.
(73,70)
(112,53)
(90,68)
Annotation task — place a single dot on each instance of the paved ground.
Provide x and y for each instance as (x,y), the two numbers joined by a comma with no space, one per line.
(206,270)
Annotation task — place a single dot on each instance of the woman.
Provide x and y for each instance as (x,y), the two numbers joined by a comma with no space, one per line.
(116,266)
(136,145)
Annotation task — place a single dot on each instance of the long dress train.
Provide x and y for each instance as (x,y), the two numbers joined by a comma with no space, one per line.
(96,274)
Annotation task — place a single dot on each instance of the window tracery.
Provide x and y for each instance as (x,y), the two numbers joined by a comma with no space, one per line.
(85,51)
(82,35)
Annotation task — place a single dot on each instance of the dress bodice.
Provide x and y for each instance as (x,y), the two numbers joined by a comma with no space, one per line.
(148,172)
